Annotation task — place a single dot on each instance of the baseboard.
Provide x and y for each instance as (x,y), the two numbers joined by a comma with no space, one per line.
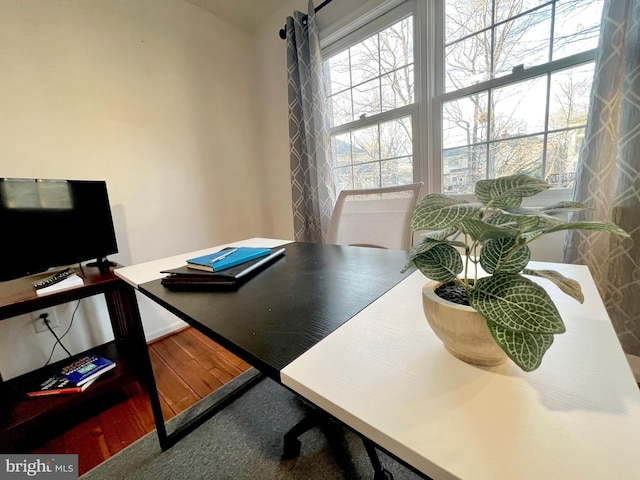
(634,363)
(166,330)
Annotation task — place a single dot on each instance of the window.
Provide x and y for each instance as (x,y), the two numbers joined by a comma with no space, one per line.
(517,79)
(488,88)
(371,100)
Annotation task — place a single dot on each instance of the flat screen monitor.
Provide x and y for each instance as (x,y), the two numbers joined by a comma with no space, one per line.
(51,223)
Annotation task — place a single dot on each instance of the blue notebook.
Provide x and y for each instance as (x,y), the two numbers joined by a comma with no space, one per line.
(86,368)
(227,258)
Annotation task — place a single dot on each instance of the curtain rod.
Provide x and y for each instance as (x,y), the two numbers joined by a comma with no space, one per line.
(283,31)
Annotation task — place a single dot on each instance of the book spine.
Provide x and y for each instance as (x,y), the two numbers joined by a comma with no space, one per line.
(197,266)
(55,391)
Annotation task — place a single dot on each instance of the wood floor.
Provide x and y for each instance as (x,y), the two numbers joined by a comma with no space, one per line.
(187,367)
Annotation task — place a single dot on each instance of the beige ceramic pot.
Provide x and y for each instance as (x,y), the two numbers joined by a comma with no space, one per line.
(461,328)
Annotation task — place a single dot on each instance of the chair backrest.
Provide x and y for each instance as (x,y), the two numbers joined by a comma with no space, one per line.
(377,217)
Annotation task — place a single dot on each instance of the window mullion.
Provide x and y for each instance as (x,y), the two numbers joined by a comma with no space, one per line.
(523,74)
(430,41)
(405,111)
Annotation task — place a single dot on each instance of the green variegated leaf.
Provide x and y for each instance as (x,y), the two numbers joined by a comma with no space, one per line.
(438,212)
(442,234)
(524,348)
(516,303)
(564,207)
(500,219)
(441,263)
(483,191)
(482,231)
(516,222)
(522,213)
(503,255)
(596,226)
(567,285)
(422,246)
(531,236)
(418,249)
(509,191)
(426,244)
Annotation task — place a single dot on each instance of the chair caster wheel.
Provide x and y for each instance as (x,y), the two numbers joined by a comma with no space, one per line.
(291,448)
(383,475)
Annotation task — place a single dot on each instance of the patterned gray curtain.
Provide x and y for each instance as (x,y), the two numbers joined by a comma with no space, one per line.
(608,174)
(312,191)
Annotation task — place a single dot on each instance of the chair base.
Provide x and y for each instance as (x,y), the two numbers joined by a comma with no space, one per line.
(292,445)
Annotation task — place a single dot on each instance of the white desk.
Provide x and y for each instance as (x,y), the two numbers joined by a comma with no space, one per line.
(135,275)
(385,374)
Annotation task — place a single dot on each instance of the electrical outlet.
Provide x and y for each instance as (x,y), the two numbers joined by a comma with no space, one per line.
(38,322)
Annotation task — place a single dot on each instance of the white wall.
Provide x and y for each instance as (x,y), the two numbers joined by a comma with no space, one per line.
(155,97)
(184,115)
(273,131)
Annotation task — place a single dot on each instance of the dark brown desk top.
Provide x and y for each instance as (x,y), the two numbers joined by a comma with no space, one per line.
(291,305)
(18,296)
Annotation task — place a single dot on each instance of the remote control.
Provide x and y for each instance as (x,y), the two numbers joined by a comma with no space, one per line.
(53,279)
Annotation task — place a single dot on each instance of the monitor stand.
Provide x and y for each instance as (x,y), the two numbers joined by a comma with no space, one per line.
(102,263)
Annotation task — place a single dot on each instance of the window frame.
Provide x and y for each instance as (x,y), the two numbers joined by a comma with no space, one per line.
(389,13)
(429,71)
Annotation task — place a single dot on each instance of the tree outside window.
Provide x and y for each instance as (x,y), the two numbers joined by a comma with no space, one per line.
(512,93)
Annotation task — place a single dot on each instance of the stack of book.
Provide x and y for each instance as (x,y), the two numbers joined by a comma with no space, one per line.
(227,268)
(75,377)
(61,280)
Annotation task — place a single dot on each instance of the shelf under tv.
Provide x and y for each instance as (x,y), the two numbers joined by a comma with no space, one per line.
(24,418)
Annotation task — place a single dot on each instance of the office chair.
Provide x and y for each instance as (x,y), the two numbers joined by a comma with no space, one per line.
(376,217)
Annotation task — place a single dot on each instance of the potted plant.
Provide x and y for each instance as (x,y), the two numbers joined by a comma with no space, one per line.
(515,313)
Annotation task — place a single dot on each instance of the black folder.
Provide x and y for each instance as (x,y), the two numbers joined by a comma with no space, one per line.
(185,278)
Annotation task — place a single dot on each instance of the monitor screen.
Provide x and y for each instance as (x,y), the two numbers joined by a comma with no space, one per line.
(50,223)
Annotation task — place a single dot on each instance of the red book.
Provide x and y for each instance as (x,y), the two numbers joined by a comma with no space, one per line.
(57,385)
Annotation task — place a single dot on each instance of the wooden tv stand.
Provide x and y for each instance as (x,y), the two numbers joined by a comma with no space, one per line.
(20,415)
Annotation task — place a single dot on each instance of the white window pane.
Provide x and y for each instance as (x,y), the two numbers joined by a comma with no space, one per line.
(523,41)
(366,144)
(365,61)
(396,46)
(341,149)
(344,178)
(379,154)
(366,99)
(462,167)
(398,171)
(465,17)
(577,26)
(521,155)
(569,99)
(366,176)
(337,73)
(519,109)
(397,89)
(506,9)
(562,157)
(396,138)
(468,62)
(340,108)
(464,121)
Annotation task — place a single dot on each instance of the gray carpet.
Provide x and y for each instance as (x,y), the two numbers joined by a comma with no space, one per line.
(244,441)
